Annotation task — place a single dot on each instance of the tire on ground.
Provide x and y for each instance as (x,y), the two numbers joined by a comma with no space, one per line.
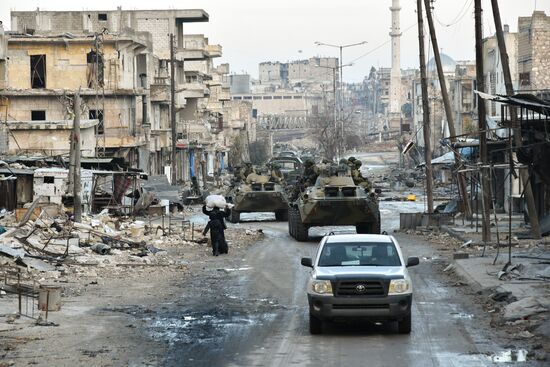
(404,326)
(281,215)
(234,216)
(299,230)
(315,325)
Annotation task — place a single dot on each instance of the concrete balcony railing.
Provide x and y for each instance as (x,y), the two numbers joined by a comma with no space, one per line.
(194,90)
(214,50)
(190,54)
(160,93)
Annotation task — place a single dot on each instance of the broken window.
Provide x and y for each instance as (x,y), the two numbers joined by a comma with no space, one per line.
(102,17)
(38,71)
(38,115)
(49,179)
(524,79)
(97,115)
(94,70)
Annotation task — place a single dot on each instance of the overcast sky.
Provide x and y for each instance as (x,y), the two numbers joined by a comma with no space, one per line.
(252,31)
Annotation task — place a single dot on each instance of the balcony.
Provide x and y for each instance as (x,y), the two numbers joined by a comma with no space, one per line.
(214,50)
(160,93)
(193,90)
(191,55)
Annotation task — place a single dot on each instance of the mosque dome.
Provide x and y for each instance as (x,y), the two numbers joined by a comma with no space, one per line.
(447,63)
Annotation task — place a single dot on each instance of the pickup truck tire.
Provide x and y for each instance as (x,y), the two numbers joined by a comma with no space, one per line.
(404,326)
(315,325)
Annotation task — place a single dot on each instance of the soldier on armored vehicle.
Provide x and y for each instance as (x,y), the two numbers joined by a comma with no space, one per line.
(260,191)
(335,199)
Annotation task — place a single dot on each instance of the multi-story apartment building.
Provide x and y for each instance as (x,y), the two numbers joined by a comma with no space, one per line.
(492,67)
(534,52)
(42,74)
(134,61)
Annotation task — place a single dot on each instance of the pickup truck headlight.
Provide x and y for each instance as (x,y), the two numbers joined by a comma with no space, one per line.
(399,286)
(323,287)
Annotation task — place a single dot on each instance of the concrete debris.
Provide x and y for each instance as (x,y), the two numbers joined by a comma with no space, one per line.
(524,308)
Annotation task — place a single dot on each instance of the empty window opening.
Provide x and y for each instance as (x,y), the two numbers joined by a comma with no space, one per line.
(38,115)
(94,69)
(49,179)
(38,71)
(97,114)
(102,17)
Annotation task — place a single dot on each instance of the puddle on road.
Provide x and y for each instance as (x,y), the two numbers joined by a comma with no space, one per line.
(462,315)
(200,329)
(507,356)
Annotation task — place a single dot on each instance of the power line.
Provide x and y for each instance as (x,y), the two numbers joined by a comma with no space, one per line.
(380,45)
(459,16)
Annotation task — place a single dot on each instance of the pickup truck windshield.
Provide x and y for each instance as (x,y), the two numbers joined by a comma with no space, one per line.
(359,254)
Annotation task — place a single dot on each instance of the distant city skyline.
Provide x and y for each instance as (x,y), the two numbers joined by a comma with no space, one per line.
(252,31)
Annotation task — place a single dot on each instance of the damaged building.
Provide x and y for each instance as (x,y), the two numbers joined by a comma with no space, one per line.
(120,62)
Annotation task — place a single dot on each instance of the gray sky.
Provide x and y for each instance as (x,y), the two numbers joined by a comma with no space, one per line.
(252,31)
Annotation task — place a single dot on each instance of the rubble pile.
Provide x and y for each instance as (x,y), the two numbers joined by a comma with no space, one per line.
(52,248)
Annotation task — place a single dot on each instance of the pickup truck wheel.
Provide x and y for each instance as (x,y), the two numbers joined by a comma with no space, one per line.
(404,326)
(315,325)
(234,216)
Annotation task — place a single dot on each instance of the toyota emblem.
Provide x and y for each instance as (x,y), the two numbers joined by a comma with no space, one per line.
(360,288)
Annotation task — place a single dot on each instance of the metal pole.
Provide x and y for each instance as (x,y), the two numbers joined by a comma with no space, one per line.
(173,111)
(447,105)
(341,104)
(77,203)
(485,207)
(426,110)
(531,207)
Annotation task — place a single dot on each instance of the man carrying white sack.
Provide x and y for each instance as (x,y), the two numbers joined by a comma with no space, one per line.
(216,225)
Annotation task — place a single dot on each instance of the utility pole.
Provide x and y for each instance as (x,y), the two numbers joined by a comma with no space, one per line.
(448,110)
(518,141)
(484,171)
(77,203)
(173,111)
(426,110)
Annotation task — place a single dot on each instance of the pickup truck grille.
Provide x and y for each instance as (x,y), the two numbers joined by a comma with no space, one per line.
(361,307)
(359,288)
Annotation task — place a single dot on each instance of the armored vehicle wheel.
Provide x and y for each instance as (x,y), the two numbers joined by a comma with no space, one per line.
(367,228)
(298,229)
(281,215)
(291,222)
(235,216)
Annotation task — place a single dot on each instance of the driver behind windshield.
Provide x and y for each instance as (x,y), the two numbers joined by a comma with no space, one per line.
(359,254)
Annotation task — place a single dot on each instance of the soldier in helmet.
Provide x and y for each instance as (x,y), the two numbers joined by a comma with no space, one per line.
(246,170)
(276,174)
(310,173)
(357,176)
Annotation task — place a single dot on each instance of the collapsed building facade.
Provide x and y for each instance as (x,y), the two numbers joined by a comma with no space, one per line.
(119,61)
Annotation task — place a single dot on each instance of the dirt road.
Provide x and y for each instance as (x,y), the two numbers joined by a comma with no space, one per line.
(255,314)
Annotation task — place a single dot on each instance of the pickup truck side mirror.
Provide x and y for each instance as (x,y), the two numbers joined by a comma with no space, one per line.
(412,261)
(306,261)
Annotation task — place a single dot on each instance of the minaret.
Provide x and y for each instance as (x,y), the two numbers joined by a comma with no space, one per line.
(395,80)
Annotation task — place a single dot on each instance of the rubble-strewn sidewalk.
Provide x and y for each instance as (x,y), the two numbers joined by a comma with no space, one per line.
(107,268)
(517,296)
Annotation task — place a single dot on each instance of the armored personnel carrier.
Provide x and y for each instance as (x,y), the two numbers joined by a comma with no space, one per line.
(258,194)
(334,200)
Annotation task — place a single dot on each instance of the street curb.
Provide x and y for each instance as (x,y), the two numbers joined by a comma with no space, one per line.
(454,234)
(472,282)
